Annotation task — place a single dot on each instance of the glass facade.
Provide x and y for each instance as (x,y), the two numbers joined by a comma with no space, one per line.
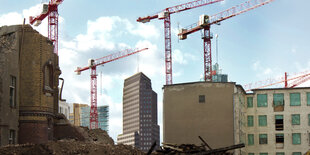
(103,117)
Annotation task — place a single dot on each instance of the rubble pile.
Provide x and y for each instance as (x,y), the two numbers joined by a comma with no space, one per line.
(96,141)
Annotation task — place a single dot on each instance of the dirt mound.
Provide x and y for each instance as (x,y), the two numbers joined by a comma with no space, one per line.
(69,147)
(96,141)
(97,135)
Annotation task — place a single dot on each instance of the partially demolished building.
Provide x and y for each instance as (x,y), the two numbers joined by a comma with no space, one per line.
(267,121)
(29,73)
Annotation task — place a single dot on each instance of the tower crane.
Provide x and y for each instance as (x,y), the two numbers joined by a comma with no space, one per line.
(294,82)
(165,15)
(92,65)
(205,23)
(50,10)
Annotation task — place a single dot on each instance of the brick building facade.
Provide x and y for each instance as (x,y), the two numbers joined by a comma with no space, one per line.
(28,85)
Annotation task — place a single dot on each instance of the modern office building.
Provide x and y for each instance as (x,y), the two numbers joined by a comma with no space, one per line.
(103,117)
(273,121)
(140,128)
(77,112)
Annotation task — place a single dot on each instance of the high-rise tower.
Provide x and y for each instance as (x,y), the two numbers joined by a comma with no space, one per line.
(140,127)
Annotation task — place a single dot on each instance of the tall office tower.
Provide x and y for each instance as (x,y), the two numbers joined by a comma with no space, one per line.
(140,127)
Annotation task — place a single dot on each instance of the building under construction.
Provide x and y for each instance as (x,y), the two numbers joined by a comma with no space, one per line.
(267,121)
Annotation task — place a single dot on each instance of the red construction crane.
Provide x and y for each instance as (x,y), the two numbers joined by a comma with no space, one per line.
(294,81)
(165,15)
(92,64)
(50,10)
(205,23)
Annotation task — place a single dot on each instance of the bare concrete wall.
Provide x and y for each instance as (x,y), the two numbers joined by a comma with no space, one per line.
(184,118)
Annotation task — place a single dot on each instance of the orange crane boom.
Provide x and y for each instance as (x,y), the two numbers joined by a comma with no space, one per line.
(92,64)
(165,15)
(205,23)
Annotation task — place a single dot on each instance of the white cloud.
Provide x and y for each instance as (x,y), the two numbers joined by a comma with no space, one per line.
(11,18)
(256,65)
(178,57)
(146,31)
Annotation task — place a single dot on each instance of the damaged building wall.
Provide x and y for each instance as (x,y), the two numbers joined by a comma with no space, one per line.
(199,109)
(38,71)
(9,85)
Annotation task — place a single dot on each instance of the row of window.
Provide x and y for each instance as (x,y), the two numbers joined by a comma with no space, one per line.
(263,138)
(277,153)
(278,100)
(262,120)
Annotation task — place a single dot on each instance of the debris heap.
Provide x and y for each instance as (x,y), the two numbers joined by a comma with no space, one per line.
(96,141)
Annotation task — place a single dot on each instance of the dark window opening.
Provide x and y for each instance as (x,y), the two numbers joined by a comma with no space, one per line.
(12,137)
(279,123)
(263,139)
(202,99)
(280,138)
(13,92)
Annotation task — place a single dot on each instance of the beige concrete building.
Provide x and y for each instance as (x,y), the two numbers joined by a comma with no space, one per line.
(267,121)
(199,109)
(278,121)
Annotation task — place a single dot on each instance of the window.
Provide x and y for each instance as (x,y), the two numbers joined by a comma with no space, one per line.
(279,138)
(296,153)
(250,102)
(250,153)
(13,92)
(262,100)
(278,99)
(263,153)
(48,77)
(295,99)
(262,120)
(250,139)
(308,98)
(263,139)
(309,119)
(280,153)
(296,138)
(202,99)
(295,119)
(279,122)
(12,137)
(250,121)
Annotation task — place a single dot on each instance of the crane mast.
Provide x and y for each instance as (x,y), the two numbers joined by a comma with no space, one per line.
(165,15)
(50,10)
(92,65)
(205,23)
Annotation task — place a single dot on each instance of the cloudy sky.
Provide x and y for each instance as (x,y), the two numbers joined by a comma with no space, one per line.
(256,46)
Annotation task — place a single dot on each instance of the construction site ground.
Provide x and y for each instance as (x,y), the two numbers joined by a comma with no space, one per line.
(96,141)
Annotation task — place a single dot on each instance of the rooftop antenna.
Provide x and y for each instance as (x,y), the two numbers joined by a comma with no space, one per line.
(217,52)
(138,63)
(101,82)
